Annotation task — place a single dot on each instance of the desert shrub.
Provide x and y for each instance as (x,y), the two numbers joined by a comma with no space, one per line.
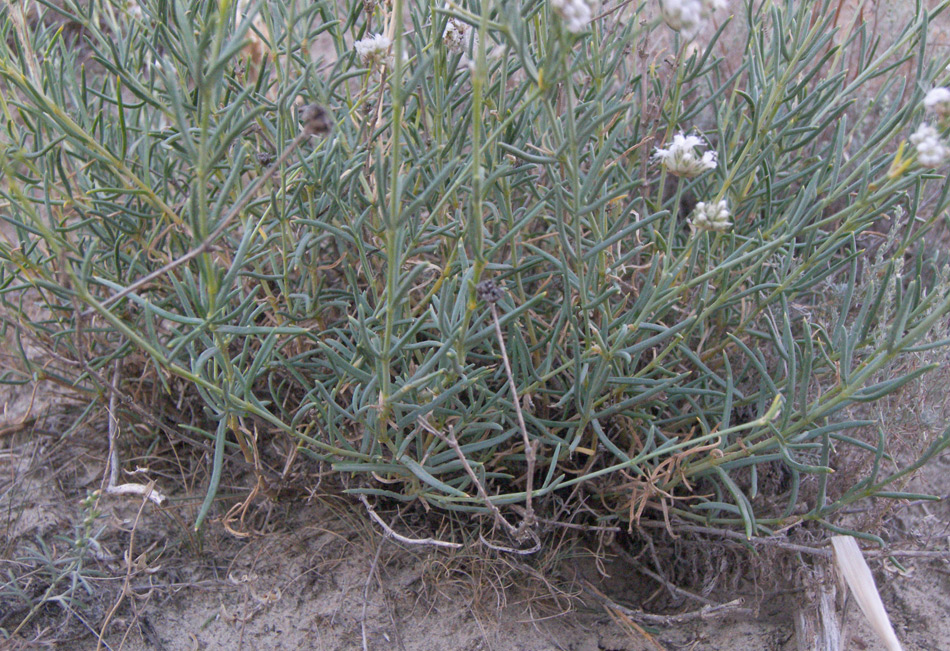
(537,268)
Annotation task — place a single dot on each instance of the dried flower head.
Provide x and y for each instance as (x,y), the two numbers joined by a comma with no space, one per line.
(373,49)
(458,35)
(711,216)
(576,14)
(316,120)
(488,291)
(932,151)
(681,158)
(938,101)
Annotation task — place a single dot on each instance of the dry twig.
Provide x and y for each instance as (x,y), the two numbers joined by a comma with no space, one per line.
(111,480)
(490,293)
(130,565)
(403,539)
(453,443)
(369,580)
(733,607)
(674,589)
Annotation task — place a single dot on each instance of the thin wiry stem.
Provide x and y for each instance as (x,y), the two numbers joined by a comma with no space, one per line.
(403,539)
(112,485)
(530,447)
(453,443)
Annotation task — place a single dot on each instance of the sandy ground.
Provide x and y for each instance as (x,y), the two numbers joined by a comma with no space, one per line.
(318,577)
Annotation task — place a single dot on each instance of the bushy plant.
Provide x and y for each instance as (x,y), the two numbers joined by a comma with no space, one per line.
(537,269)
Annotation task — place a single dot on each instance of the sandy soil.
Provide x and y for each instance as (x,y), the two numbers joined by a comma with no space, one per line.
(315,574)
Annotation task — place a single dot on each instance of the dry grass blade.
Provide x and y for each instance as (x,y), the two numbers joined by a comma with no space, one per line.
(855,571)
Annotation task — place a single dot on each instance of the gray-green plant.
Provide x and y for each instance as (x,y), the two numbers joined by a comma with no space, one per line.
(60,574)
(654,365)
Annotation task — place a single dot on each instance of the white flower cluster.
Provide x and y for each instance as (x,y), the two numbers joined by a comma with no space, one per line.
(681,158)
(938,101)
(932,151)
(688,16)
(711,216)
(373,49)
(576,14)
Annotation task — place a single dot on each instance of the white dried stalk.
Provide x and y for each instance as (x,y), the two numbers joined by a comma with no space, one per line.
(855,571)
(113,487)
(403,539)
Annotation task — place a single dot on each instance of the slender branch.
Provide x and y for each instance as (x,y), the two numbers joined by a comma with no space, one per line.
(403,539)
(755,540)
(511,550)
(530,449)
(112,486)
(130,565)
(453,443)
(733,607)
(676,590)
(369,580)
(781,543)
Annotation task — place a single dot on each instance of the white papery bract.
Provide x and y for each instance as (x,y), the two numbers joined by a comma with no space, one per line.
(711,216)
(373,49)
(685,16)
(688,16)
(134,9)
(938,101)
(932,151)
(576,14)
(681,158)
(458,35)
